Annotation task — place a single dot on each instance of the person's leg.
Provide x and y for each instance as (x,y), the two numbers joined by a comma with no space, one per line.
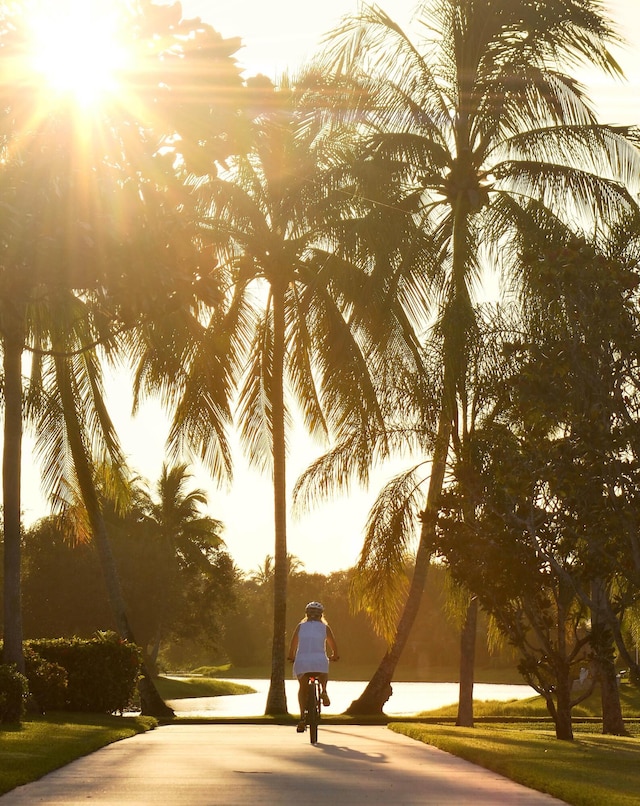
(303,688)
(323,678)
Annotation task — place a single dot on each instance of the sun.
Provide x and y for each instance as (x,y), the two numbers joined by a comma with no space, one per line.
(77,48)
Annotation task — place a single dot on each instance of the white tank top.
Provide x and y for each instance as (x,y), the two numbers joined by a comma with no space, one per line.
(311,655)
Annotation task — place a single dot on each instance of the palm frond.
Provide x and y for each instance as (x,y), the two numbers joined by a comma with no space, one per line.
(586,196)
(380,581)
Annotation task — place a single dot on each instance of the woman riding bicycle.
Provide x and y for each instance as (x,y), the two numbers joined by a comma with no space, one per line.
(308,651)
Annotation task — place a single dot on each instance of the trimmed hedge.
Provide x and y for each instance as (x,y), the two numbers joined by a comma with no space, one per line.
(13,694)
(101,673)
(47,682)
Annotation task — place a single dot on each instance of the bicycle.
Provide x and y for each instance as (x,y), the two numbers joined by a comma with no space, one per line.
(312,711)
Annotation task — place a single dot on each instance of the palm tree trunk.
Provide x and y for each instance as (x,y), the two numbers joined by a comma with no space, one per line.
(467,665)
(151,702)
(11,484)
(277,698)
(379,689)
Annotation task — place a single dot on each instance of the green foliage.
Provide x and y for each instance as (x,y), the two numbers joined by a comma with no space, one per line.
(433,644)
(218,616)
(64,591)
(171,689)
(589,771)
(63,588)
(102,673)
(47,682)
(551,471)
(13,694)
(43,744)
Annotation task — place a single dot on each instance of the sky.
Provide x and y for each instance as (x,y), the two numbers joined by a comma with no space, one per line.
(276,36)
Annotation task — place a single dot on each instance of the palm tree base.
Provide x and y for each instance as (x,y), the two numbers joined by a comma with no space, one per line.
(151,703)
(372,700)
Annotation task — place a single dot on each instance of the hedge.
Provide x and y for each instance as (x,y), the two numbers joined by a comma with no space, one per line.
(101,673)
(13,694)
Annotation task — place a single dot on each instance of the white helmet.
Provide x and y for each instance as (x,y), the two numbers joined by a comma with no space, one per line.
(314,608)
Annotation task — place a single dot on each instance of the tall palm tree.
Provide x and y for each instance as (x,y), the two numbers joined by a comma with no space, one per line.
(72,199)
(75,437)
(480,119)
(296,322)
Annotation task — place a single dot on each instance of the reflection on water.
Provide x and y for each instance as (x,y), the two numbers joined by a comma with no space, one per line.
(407,699)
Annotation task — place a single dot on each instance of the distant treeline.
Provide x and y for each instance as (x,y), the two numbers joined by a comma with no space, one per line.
(434,645)
(218,614)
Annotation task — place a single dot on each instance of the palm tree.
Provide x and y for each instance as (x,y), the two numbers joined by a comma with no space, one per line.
(188,536)
(481,121)
(277,220)
(74,218)
(75,437)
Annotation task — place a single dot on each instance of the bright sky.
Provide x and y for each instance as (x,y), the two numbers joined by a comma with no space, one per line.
(278,35)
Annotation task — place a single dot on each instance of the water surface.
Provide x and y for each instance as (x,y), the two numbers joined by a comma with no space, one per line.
(407,698)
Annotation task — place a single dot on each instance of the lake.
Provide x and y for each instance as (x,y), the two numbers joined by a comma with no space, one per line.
(407,698)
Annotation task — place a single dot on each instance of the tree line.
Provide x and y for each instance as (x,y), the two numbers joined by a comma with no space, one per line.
(208,613)
(252,251)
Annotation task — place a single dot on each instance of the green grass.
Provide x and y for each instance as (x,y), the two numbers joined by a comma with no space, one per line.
(43,744)
(185,687)
(535,707)
(590,771)
(350,671)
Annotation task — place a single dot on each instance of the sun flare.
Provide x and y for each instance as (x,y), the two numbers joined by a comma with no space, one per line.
(77,49)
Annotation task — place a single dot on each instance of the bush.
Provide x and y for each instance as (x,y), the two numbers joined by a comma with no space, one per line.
(101,673)
(13,694)
(47,682)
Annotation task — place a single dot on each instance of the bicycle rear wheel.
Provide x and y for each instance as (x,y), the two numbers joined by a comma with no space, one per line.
(314,710)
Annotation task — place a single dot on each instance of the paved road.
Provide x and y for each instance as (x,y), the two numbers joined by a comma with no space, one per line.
(248,765)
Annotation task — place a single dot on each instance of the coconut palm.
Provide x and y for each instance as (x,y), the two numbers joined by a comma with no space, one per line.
(188,537)
(278,220)
(72,215)
(480,118)
(75,437)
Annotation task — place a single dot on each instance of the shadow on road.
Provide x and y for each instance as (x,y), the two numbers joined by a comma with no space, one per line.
(348,752)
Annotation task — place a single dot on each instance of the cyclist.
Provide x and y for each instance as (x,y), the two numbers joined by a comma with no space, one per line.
(308,651)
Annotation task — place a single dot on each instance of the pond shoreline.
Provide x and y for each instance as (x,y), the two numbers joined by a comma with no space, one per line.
(408,698)
(350,673)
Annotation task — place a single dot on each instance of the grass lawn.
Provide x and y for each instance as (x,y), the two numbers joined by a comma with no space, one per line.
(589,771)
(171,688)
(535,707)
(42,744)
(592,770)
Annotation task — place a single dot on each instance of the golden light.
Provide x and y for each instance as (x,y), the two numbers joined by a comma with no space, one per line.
(77,49)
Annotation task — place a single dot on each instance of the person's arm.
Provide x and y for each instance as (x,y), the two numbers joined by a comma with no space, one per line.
(333,646)
(293,646)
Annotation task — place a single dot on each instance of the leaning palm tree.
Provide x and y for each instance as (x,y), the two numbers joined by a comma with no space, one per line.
(480,118)
(75,438)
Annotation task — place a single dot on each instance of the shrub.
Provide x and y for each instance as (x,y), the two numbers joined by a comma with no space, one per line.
(47,682)
(101,673)
(13,694)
